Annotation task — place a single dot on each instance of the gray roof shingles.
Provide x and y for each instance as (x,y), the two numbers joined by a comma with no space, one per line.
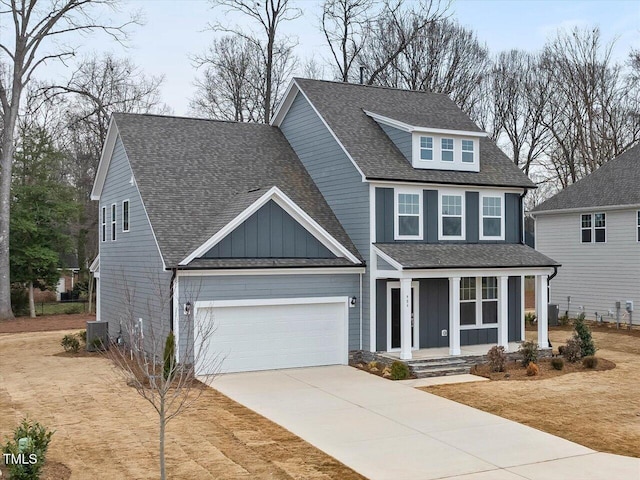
(614,183)
(196,175)
(478,255)
(342,106)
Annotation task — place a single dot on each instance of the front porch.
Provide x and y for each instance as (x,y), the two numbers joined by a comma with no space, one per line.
(439,353)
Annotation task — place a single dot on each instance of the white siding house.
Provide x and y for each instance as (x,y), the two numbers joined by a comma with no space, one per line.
(591,228)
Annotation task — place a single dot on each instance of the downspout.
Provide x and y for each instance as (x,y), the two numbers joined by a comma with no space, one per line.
(522,236)
(173,283)
(361,311)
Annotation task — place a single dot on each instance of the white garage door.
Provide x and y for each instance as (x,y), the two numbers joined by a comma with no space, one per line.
(271,334)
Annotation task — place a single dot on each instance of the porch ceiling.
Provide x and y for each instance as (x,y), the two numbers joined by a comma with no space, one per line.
(413,256)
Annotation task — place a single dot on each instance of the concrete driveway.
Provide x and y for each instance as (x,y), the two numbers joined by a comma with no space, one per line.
(387,430)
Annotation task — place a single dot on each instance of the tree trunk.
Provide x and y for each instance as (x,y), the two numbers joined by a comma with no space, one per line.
(32,303)
(163,473)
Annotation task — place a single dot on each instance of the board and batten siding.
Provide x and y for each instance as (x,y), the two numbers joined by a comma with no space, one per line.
(244,287)
(133,283)
(337,179)
(595,275)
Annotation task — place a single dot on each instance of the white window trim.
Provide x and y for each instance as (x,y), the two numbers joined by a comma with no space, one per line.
(437,163)
(637,225)
(396,222)
(599,228)
(583,228)
(420,148)
(479,301)
(459,193)
(114,221)
(452,149)
(593,228)
(128,215)
(483,195)
(103,225)
(472,151)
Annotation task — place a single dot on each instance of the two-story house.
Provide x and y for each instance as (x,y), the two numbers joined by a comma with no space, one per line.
(593,228)
(361,218)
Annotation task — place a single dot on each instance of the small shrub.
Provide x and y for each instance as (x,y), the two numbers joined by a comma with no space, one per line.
(82,335)
(529,352)
(34,448)
(572,351)
(70,343)
(563,320)
(529,317)
(583,332)
(532,369)
(169,356)
(399,370)
(497,358)
(557,363)
(590,362)
(73,309)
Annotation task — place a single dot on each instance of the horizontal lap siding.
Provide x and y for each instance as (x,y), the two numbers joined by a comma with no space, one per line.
(595,275)
(133,283)
(244,287)
(400,138)
(338,181)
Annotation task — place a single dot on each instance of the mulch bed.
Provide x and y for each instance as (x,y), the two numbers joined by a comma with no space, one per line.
(46,323)
(515,370)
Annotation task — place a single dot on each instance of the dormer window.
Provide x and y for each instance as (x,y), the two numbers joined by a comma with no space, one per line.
(447,150)
(426,148)
(467,151)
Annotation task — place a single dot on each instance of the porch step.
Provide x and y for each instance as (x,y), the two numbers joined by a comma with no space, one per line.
(440,371)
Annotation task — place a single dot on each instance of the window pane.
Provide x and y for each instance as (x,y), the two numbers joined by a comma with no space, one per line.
(447,156)
(426,154)
(467,157)
(408,204)
(586,236)
(468,288)
(489,288)
(468,313)
(489,312)
(451,205)
(600,235)
(639,234)
(586,221)
(491,227)
(639,218)
(452,226)
(408,225)
(447,143)
(491,206)
(426,142)
(599,220)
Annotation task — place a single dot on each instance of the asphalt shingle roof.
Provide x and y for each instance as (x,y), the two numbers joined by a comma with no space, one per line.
(614,183)
(342,106)
(196,175)
(477,255)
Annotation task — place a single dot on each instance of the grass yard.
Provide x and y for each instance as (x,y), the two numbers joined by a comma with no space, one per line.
(598,409)
(105,430)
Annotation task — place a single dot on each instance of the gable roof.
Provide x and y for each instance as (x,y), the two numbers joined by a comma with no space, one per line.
(196,175)
(613,184)
(342,106)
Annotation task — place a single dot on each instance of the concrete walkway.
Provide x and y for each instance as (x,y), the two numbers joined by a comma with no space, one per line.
(387,430)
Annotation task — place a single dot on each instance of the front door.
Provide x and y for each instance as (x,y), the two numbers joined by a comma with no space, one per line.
(393,302)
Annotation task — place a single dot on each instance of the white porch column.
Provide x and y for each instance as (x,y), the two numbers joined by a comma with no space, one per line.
(541,311)
(405,318)
(522,302)
(454,315)
(98,302)
(503,312)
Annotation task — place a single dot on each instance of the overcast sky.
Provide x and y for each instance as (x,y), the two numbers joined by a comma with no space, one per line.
(176,29)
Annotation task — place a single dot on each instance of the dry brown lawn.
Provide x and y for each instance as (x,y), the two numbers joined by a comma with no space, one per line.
(598,409)
(105,430)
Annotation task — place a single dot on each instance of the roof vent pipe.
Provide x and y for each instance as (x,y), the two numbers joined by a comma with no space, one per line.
(361,75)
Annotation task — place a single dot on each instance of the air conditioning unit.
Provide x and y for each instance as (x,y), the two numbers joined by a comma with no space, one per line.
(97,336)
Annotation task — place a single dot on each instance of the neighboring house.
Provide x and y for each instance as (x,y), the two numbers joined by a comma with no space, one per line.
(362,218)
(592,228)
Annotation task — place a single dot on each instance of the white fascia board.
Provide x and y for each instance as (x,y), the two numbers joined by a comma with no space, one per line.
(597,208)
(95,265)
(466,272)
(284,106)
(394,263)
(412,128)
(105,160)
(271,271)
(252,302)
(437,186)
(278,196)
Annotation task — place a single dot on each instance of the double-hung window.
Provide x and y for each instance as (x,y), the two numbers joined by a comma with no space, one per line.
(451,217)
(468,301)
(103,232)
(492,220)
(125,215)
(113,222)
(426,148)
(489,300)
(638,223)
(478,301)
(593,228)
(408,224)
(446,149)
(467,151)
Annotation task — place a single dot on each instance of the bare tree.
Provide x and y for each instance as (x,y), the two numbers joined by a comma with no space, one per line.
(346,25)
(269,15)
(35,26)
(145,355)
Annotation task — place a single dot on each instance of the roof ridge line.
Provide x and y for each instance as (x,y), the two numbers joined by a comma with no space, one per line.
(383,87)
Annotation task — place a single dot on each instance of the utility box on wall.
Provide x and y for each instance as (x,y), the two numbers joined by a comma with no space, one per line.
(97,336)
